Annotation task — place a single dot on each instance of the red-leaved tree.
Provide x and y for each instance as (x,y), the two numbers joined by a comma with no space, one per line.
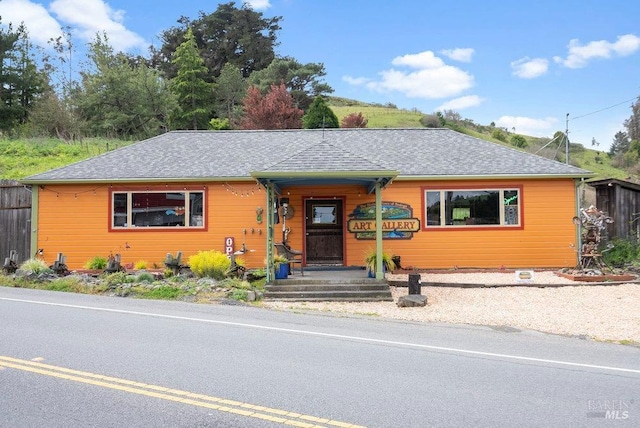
(275,110)
(354,120)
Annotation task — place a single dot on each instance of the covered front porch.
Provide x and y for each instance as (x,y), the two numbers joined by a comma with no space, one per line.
(322,165)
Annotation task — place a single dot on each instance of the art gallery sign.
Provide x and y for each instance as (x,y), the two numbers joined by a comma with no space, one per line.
(397,221)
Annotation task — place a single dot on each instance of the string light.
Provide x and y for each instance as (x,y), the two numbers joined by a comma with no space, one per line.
(242,193)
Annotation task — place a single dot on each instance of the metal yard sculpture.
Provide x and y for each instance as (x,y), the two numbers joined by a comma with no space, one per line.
(592,222)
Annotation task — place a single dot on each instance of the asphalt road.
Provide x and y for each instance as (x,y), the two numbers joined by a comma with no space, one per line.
(83,361)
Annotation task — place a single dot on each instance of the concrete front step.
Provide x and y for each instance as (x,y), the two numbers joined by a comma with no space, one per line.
(348,292)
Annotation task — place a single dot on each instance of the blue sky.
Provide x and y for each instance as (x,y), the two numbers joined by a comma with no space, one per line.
(522,65)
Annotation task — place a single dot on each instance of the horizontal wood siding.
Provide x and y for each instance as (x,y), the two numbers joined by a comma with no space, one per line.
(75,220)
(544,241)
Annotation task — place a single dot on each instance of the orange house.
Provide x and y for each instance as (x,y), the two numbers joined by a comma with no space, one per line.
(434,197)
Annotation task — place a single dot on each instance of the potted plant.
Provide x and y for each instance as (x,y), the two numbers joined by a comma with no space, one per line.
(281,265)
(388,265)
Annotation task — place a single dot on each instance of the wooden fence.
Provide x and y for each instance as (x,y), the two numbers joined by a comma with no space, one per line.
(15,220)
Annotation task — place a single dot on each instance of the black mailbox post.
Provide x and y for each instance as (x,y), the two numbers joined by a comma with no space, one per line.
(414,284)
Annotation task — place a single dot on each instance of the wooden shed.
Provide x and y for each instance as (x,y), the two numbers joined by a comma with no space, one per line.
(15,220)
(620,199)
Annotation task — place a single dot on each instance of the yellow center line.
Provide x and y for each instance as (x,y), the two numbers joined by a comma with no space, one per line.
(185,397)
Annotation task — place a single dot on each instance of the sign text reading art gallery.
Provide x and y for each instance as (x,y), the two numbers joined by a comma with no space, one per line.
(397,221)
(410,225)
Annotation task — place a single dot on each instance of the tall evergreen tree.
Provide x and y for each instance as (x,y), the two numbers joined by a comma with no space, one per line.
(238,36)
(21,83)
(119,100)
(302,80)
(320,115)
(194,95)
(230,90)
(633,123)
(620,143)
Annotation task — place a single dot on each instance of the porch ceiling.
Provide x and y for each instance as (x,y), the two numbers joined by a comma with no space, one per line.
(365,179)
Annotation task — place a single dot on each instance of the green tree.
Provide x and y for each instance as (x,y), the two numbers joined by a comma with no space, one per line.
(119,100)
(320,115)
(518,141)
(275,110)
(50,117)
(620,143)
(230,90)
(238,36)
(9,108)
(633,123)
(302,80)
(193,94)
(21,83)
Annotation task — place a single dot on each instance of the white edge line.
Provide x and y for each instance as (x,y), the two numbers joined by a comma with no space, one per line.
(335,336)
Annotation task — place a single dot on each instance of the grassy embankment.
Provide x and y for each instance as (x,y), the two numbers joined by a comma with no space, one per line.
(21,158)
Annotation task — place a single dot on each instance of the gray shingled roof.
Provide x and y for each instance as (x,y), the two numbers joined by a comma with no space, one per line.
(419,153)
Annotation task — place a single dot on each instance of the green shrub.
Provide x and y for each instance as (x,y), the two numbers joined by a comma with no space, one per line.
(499,135)
(145,277)
(519,141)
(431,121)
(239,294)
(36,266)
(210,263)
(623,252)
(69,285)
(96,263)
(117,278)
(164,293)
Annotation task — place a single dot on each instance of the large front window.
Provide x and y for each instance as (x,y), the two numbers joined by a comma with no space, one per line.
(472,207)
(157,209)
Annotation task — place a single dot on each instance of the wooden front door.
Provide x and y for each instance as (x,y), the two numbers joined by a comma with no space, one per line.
(324,225)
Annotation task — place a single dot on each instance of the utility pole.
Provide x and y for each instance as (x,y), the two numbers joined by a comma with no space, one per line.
(566,141)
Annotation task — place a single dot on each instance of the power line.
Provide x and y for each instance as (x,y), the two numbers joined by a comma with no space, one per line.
(606,108)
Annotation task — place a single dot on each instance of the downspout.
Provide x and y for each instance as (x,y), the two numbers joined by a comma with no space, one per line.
(379,272)
(578,186)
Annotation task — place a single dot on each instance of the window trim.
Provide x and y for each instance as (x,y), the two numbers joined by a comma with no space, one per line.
(130,191)
(500,188)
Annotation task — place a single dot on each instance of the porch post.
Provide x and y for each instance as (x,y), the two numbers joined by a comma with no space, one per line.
(379,272)
(270,217)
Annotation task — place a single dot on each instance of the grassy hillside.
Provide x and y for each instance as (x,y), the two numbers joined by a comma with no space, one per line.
(390,117)
(21,158)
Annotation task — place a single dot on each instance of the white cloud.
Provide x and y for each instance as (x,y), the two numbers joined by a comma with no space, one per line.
(528,125)
(459,54)
(258,4)
(528,68)
(580,55)
(421,60)
(90,17)
(461,103)
(356,81)
(432,79)
(39,23)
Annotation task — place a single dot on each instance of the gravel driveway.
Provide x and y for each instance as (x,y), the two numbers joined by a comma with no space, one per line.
(599,312)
